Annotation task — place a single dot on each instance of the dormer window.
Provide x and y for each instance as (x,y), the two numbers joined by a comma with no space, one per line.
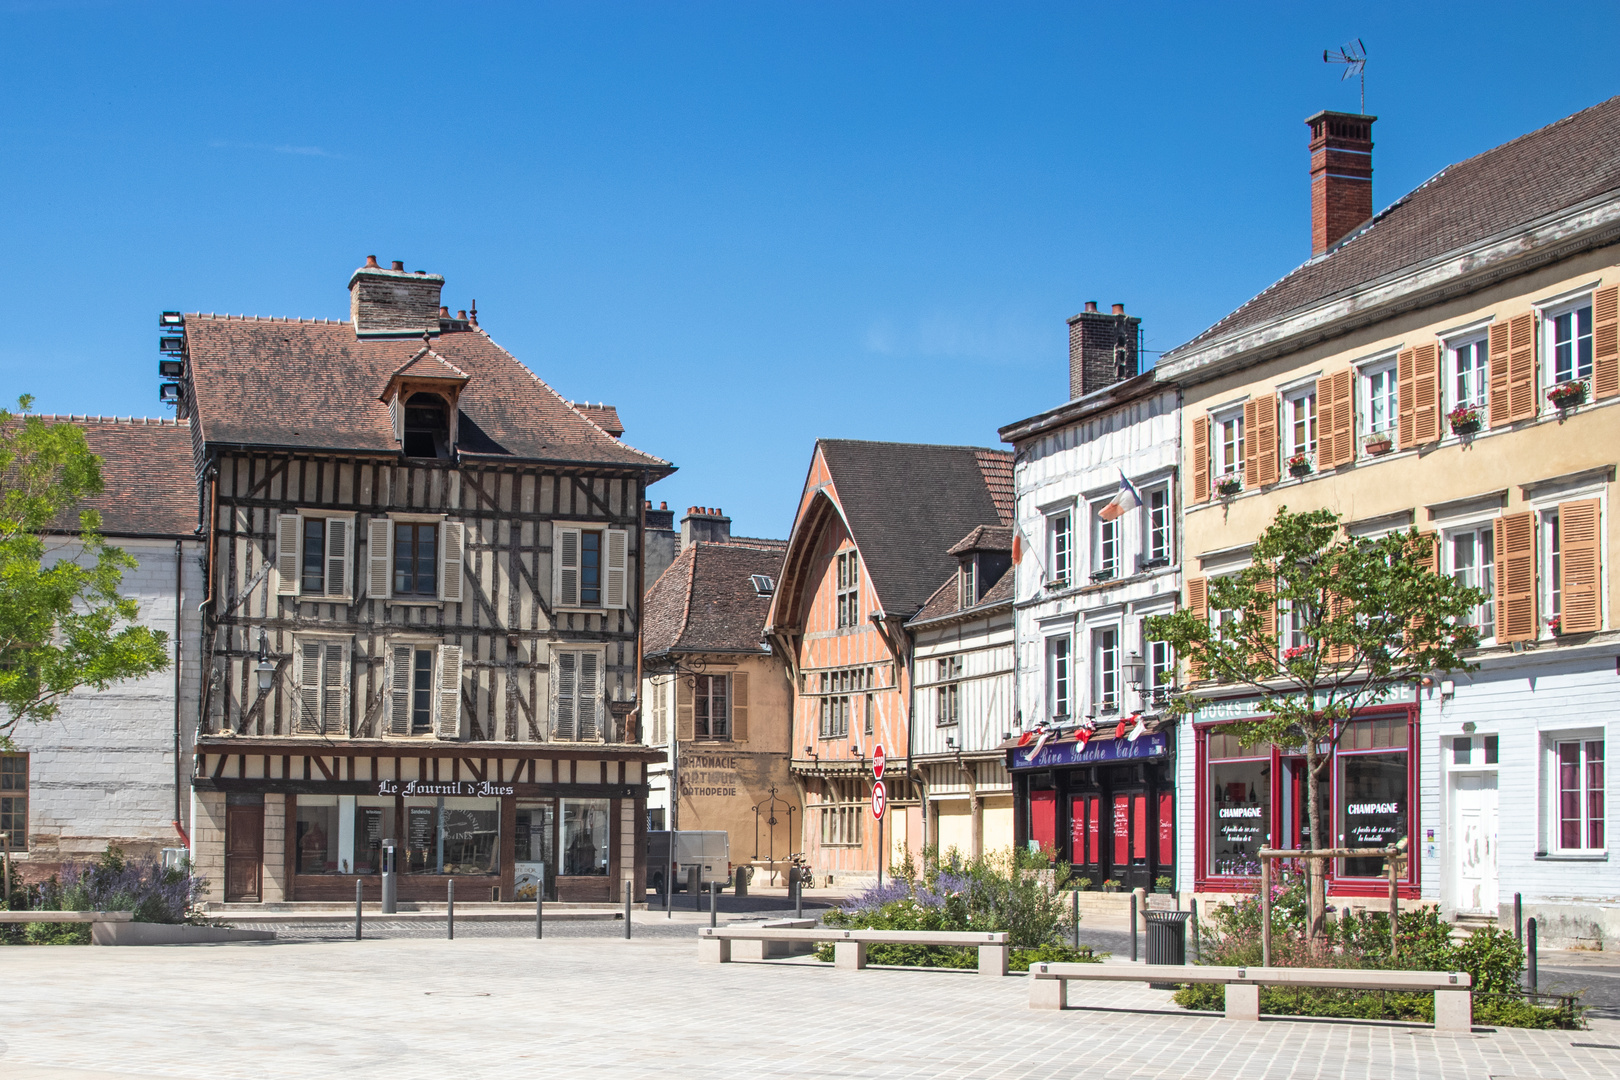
(427,426)
(969,582)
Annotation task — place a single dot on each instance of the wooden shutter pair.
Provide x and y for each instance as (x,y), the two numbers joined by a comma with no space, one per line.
(323,689)
(1261,465)
(1417,385)
(1335,420)
(1198,604)
(1606,342)
(290,555)
(1513,370)
(380,559)
(576,696)
(615,567)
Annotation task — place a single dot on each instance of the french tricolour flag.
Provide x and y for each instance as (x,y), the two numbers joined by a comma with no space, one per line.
(1127,499)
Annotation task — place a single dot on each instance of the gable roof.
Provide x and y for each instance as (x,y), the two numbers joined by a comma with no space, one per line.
(1550,170)
(706,602)
(983,538)
(315,385)
(905,504)
(149,487)
(945,603)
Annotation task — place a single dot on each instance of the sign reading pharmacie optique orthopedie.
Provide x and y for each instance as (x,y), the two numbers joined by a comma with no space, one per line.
(454,788)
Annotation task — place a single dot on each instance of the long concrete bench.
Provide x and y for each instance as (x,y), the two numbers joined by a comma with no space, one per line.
(1453,990)
(66,916)
(849,946)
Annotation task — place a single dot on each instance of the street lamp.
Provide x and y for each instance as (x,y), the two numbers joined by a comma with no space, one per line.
(1134,669)
(266,669)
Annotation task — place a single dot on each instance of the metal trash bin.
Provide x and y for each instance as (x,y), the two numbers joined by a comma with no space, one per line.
(1166,940)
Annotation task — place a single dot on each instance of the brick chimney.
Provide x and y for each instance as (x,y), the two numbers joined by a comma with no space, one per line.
(707,523)
(1102,349)
(393,302)
(1341,176)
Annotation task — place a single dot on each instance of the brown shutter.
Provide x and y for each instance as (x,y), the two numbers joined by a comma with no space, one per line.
(1580,568)
(1500,413)
(1426,394)
(1405,399)
(1515,578)
(683,709)
(1268,614)
(1251,445)
(1200,462)
(1262,436)
(1429,560)
(1198,604)
(739,706)
(1335,420)
(1606,342)
(1522,367)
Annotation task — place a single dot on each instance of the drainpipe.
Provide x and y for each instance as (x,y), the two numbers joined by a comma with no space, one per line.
(179,610)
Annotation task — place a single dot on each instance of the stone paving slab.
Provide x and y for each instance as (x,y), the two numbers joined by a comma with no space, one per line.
(504,1007)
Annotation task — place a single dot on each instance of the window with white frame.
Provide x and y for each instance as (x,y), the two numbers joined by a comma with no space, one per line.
(1471,559)
(1552,565)
(313,554)
(948,695)
(1569,341)
(1470,382)
(424,685)
(1105,540)
(1227,443)
(1060,545)
(1294,620)
(1059,685)
(1380,404)
(1299,420)
(1156,549)
(1105,662)
(1161,669)
(848,589)
(1578,793)
(14,800)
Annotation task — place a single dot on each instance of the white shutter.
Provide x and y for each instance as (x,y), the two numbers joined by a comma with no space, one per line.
(448,705)
(587,701)
(565,554)
(399,705)
(452,541)
(309,688)
(339,545)
(379,558)
(562,692)
(334,702)
(289,530)
(618,552)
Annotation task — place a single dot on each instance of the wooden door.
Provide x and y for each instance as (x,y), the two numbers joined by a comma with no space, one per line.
(244,853)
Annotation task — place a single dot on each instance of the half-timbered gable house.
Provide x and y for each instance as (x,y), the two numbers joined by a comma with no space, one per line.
(869,546)
(422,615)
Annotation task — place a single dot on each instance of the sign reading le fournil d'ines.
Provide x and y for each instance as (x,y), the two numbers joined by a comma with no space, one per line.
(463,788)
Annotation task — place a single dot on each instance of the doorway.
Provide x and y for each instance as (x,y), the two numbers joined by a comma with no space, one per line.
(244,853)
(1474,842)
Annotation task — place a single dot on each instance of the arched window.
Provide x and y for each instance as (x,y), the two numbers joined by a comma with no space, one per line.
(427,426)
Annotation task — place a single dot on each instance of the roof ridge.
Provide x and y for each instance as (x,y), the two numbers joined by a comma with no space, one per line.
(293,319)
(86,418)
(922,446)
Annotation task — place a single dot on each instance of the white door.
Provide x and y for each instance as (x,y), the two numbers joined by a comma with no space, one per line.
(1474,841)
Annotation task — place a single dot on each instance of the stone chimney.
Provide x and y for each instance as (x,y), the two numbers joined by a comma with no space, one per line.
(1341,176)
(393,303)
(706,523)
(1102,349)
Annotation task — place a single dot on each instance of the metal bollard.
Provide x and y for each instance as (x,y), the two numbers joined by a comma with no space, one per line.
(1192,906)
(627,896)
(358,899)
(1074,911)
(714,902)
(796,880)
(669,893)
(1518,918)
(1133,926)
(539,913)
(1530,937)
(450,909)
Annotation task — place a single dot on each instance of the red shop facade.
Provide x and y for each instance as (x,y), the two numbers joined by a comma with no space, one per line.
(1257,796)
(1107,808)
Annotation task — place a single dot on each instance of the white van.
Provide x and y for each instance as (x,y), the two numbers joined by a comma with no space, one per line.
(669,861)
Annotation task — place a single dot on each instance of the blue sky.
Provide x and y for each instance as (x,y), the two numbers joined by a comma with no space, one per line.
(746,225)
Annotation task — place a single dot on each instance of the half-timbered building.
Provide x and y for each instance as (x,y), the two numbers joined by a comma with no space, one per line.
(422,611)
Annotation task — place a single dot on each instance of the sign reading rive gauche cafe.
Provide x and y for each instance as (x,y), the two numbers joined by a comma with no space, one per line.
(1097,750)
(462,788)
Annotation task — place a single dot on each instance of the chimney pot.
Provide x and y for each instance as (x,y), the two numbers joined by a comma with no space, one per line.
(1341,176)
(663,505)
(398,265)
(444,312)
(1091,305)
(1119,309)
(371,261)
(461,313)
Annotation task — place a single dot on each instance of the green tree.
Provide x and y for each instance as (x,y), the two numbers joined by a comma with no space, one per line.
(1322,626)
(63,623)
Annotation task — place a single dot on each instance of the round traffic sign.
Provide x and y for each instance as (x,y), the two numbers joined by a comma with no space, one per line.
(880,799)
(878,761)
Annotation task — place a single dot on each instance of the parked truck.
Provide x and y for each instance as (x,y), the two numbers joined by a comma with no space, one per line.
(671,854)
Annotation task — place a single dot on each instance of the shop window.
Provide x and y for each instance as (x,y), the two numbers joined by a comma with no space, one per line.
(848,592)
(1105,662)
(1569,341)
(373,822)
(585,837)
(712,707)
(1470,373)
(1043,822)
(1240,805)
(14,800)
(1060,549)
(1372,793)
(534,848)
(1472,555)
(452,836)
(1059,684)
(1580,785)
(317,836)
(948,697)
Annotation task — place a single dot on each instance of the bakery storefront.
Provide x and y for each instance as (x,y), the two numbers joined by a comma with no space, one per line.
(278,826)
(1106,807)
(1249,797)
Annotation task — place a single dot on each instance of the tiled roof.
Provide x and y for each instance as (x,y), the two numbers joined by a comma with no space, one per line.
(944,601)
(315,385)
(706,602)
(997,466)
(605,417)
(984,538)
(906,504)
(149,486)
(1549,170)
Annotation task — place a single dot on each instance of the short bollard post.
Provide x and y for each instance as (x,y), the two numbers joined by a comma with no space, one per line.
(628,885)
(798,892)
(714,902)
(694,885)
(1074,912)
(539,914)
(669,892)
(450,909)
(358,900)
(1192,906)
(1133,926)
(1530,941)
(1518,918)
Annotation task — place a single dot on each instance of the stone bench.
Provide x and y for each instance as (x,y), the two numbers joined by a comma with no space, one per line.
(849,946)
(1453,993)
(66,916)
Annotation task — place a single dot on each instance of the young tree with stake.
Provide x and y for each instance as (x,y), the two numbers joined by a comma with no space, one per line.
(1323,626)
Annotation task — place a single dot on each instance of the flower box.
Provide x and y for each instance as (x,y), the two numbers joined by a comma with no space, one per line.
(1101,576)
(1555,625)
(1566,395)
(1379,443)
(1227,486)
(1300,465)
(1060,583)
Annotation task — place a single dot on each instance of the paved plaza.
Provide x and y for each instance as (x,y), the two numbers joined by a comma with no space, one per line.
(587,1005)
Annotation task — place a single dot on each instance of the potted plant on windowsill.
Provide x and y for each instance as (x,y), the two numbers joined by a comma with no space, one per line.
(1555,626)
(1300,465)
(1379,442)
(1110,885)
(1082,884)
(1567,394)
(1163,883)
(1102,575)
(1056,584)
(1228,485)
(1464,419)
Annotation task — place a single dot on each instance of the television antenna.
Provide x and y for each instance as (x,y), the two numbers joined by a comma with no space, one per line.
(1354,58)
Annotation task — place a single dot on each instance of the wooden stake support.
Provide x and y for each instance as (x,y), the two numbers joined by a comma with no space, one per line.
(1394,857)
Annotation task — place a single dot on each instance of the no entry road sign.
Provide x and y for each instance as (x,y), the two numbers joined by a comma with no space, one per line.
(880,799)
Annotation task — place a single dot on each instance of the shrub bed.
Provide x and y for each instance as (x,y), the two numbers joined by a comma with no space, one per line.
(111,883)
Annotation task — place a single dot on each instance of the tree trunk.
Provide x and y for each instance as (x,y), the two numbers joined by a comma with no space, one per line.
(1317,876)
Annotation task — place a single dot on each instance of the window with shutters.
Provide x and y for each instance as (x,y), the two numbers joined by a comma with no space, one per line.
(590,567)
(1299,420)
(1470,380)
(848,591)
(576,695)
(712,707)
(424,688)
(1471,558)
(1568,330)
(1105,663)
(1578,789)
(1228,444)
(323,688)
(1156,551)
(313,553)
(1059,677)
(14,800)
(1380,404)
(1060,549)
